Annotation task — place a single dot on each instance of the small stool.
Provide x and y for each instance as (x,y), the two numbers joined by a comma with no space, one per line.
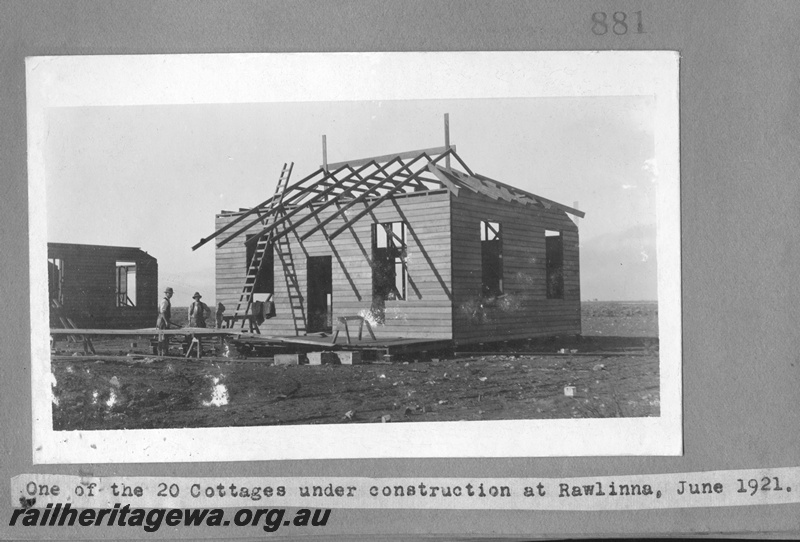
(342,320)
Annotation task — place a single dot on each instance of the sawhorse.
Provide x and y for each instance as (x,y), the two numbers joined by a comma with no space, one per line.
(342,321)
(88,346)
(194,344)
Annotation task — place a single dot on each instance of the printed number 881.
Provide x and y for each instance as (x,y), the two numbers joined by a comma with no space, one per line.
(618,23)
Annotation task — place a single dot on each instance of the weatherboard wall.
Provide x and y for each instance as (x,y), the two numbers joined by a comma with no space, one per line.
(524,309)
(425,313)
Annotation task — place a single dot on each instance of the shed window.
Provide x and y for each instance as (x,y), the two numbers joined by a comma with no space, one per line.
(55,279)
(491,259)
(390,269)
(554,247)
(265,279)
(126,284)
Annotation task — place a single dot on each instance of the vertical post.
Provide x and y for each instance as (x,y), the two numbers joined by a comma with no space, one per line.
(324,154)
(447,139)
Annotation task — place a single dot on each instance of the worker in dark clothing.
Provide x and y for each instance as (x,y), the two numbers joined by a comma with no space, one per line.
(219,320)
(198,312)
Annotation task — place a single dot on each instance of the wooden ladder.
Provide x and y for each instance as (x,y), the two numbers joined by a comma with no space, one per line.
(284,251)
(246,298)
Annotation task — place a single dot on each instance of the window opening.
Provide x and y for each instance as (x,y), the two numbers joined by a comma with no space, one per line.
(126,284)
(55,279)
(554,247)
(491,259)
(390,265)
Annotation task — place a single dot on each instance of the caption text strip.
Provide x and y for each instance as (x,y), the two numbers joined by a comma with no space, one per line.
(625,492)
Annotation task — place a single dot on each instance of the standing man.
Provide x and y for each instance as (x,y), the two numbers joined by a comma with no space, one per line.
(219,315)
(197,318)
(198,312)
(164,322)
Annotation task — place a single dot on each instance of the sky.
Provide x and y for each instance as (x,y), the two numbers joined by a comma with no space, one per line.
(154,176)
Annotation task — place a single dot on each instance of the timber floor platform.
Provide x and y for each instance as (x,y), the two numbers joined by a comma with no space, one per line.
(388,345)
(312,342)
(199,331)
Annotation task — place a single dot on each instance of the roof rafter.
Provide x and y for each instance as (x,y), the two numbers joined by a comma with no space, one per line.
(252,210)
(370,181)
(316,211)
(451,184)
(300,192)
(299,208)
(381,199)
(341,210)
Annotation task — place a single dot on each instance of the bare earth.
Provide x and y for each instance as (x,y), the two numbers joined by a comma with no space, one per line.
(613,367)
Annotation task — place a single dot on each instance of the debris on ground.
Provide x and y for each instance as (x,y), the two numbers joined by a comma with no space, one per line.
(622,380)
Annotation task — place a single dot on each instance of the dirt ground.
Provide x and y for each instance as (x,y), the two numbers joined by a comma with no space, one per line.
(613,375)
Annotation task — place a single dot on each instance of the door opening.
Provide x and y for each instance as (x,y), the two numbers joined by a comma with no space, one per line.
(320,294)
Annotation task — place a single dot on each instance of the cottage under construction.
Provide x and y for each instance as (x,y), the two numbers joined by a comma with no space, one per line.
(101,287)
(416,243)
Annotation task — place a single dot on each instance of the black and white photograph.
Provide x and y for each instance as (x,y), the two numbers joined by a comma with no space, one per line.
(399,270)
(327,255)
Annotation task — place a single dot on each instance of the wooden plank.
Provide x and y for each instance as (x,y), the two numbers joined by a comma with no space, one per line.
(387,157)
(147,332)
(445,179)
(561,206)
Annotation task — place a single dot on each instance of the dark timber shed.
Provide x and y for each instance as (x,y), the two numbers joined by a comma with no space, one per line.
(101,287)
(420,248)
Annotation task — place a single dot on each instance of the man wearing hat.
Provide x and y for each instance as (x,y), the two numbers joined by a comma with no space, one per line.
(164,322)
(198,312)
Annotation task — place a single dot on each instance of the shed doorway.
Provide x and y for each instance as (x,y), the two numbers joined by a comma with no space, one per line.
(320,294)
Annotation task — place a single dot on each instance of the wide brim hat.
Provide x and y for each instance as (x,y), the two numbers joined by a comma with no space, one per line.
(168,291)
(196,295)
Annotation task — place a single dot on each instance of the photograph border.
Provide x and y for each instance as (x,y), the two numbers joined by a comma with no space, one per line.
(73,81)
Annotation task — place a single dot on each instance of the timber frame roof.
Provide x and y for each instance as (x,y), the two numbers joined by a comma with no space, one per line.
(372,181)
